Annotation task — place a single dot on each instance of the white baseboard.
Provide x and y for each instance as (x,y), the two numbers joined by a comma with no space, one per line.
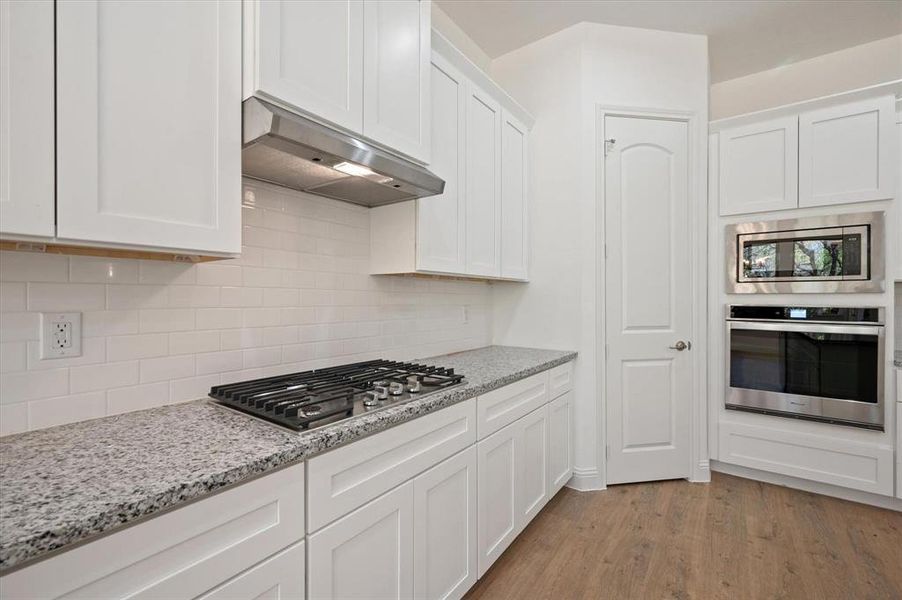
(586,480)
(808,486)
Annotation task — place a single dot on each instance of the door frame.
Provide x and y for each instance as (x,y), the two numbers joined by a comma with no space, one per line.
(697,150)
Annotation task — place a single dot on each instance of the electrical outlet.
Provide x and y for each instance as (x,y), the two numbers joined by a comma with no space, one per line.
(60,335)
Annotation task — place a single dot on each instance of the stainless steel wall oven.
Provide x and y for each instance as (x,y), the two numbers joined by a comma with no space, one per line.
(836,253)
(817,363)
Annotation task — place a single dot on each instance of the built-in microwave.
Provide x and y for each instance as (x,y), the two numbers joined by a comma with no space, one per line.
(836,253)
(818,363)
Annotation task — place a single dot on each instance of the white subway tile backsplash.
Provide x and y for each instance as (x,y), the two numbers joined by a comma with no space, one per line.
(102,377)
(53,297)
(14,418)
(130,347)
(87,269)
(137,397)
(31,385)
(166,368)
(219,362)
(219,318)
(65,409)
(154,332)
(13,356)
(93,351)
(12,296)
(166,273)
(27,266)
(191,388)
(192,342)
(136,296)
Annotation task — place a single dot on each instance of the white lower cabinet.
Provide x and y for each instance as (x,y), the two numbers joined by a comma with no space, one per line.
(368,553)
(276,578)
(531,445)
(560,442)
(183,553)
(444,528)
(497,494)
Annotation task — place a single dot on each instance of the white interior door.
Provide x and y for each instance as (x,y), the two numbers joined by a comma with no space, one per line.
(647,299)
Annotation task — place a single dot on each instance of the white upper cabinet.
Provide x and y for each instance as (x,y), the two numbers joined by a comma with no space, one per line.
(363,66)
(441,220)
(759,167)
(478,227)
(26,118)
(309,56)
(514,213)
(483,190)
(149,124)
(396,69)
(846,153)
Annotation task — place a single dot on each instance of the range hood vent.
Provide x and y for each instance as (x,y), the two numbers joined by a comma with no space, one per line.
(287,149)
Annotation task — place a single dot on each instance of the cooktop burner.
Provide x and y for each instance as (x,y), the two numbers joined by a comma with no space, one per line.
(312,399)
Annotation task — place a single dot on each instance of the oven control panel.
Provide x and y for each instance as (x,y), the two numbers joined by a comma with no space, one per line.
(838,314)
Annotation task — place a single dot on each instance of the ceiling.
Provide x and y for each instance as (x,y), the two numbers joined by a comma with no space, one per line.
(744,36)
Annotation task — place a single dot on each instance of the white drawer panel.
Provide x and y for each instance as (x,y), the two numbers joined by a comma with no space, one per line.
(350,476)
(560,380)
(828,459)
(503,406)
(179,554)
(278,578)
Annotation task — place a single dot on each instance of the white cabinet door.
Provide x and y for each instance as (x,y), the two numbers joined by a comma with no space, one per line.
(514,222)
(483,151)
(847,153)
(26,117)
(367,554)
(280,577)
(396,65)
(444,528)
(496,468)
(759,167)
(149,124)
(560,442)
(309,55)
(441,220)
(899,209)
(532,465)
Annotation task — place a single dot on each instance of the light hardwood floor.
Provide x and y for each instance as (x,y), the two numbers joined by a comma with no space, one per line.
(732,538)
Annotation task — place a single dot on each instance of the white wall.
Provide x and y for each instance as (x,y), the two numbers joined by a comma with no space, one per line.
(857,67)
(442,23)
(561,80)
(157,332)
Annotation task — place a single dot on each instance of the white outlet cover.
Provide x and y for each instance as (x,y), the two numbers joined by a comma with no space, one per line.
(49,350)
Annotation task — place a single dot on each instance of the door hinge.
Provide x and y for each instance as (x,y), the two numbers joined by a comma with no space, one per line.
(609,145)
(607,453)
(605,251)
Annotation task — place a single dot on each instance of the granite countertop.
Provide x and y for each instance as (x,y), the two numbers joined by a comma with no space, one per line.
(63,485)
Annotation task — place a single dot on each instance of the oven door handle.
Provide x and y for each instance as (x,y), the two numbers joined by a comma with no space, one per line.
(876,330)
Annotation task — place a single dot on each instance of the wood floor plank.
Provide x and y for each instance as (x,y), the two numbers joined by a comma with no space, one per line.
(731,539)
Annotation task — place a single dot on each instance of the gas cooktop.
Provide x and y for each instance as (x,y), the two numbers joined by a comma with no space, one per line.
(312,399)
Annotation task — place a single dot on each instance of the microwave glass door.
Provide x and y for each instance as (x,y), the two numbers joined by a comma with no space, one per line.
(825,254)
(843,366)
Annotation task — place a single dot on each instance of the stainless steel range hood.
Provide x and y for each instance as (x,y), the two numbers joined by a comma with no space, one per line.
(292,151)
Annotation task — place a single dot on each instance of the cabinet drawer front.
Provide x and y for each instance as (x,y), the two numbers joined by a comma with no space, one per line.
(827,459)
(350,476)
(281,576)
(179,554)
(560,380)
(503,406)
